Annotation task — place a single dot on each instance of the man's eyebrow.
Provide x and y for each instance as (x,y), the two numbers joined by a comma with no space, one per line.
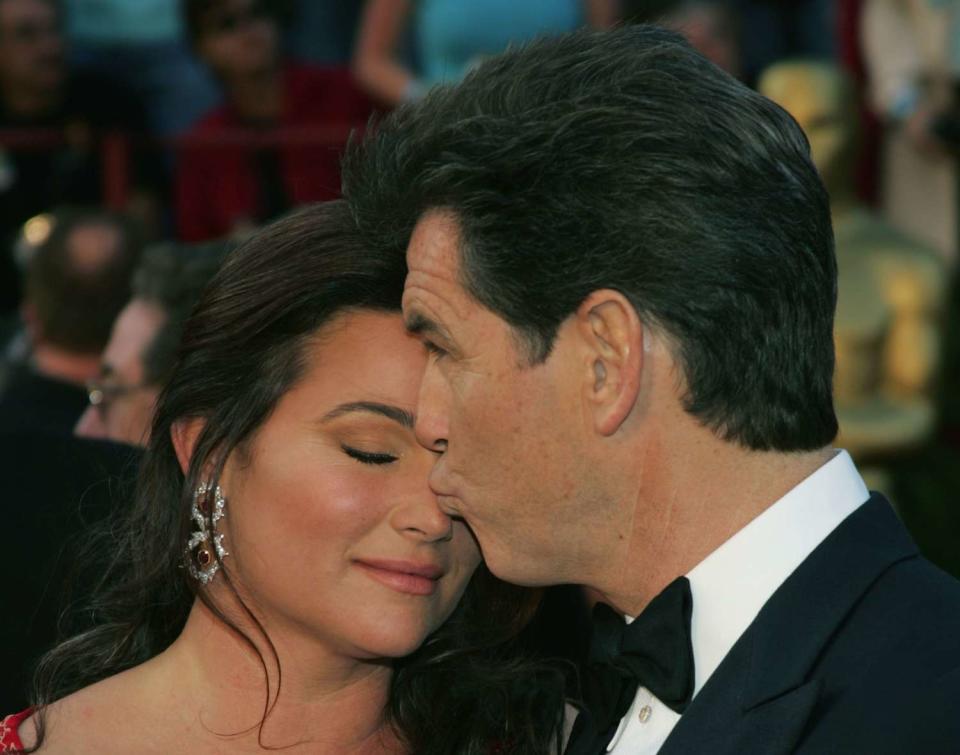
(419,324)
(402,416)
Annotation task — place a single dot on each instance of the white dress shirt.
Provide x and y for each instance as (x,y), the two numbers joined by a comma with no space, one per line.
(731,585)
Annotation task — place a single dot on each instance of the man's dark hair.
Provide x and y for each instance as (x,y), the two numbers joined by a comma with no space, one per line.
(625,160)
(172,276)
(76,291)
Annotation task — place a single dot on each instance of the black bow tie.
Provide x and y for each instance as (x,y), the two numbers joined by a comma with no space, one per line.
(654,651)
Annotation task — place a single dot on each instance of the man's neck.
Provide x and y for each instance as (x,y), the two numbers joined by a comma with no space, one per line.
(697,500)
(69,367)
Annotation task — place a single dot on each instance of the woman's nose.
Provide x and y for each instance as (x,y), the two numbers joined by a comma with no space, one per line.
(421,518)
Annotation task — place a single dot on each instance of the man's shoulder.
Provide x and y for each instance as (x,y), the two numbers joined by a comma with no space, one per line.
(914,608)
(910,585)
(866,608)
(891,672)
(909,613)
(889,677)
(924,581)
(901,695)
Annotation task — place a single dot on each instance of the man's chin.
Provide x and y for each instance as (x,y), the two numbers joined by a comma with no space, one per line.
(449,504)
(518,570)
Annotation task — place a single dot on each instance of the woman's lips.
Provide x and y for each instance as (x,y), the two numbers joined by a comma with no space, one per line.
(402,576)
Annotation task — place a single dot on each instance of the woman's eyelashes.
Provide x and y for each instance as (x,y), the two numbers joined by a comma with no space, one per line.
(368,457)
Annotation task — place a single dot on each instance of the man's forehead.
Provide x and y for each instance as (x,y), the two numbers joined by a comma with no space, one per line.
(434,248)
(133,332)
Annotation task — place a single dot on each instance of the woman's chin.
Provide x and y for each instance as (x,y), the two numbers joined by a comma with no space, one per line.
(391,641)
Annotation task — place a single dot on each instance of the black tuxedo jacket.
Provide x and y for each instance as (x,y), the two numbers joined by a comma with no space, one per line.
(857,652)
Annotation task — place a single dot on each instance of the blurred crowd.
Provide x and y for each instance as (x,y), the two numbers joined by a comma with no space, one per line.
(140,139)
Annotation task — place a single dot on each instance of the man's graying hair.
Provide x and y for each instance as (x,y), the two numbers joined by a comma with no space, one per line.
(625,160)
(172,276)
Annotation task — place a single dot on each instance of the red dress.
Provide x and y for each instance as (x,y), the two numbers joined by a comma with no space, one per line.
(9,740)
(222,184)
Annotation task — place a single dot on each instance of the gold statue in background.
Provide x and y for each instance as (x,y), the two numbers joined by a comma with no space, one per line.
(892,289)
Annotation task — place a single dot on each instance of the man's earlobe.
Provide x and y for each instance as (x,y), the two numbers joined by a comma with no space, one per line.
(612,334)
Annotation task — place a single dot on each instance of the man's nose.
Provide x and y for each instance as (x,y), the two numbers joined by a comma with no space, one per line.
(433,406)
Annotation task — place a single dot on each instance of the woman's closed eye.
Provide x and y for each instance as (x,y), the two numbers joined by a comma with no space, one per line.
(368,457)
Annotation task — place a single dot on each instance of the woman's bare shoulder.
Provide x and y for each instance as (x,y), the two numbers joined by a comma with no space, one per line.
(95,719)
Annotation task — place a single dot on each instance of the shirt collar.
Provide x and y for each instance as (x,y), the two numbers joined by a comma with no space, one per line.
(731,585)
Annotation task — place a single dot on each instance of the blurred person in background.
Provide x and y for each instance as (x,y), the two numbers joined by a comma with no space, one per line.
(77,280)
(225,187)
(42,98)
(450,36)
(75,284)
(56,486)
(144,341)
(912,53)
(142,43)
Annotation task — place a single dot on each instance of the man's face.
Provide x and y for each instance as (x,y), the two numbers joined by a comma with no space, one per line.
(514,436)
(31,45)
(121,404)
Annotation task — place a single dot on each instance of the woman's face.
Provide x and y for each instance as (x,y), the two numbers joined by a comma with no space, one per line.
(332,531)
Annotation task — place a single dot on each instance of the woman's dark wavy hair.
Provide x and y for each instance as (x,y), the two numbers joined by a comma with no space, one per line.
(466,690)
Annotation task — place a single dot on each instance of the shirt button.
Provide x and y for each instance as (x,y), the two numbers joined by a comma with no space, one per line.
(645,712)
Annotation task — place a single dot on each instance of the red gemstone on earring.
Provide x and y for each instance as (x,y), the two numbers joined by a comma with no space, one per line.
(204,503)
(203,557)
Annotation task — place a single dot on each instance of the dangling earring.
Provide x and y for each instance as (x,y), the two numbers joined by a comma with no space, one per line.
(199,553)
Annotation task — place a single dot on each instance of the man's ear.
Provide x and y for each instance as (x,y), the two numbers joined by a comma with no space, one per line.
(184,435)
(613,336)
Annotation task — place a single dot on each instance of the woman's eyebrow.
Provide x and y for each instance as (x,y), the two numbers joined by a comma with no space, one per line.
(401,416)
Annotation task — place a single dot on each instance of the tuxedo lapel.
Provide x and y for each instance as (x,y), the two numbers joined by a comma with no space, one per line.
(761,697)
